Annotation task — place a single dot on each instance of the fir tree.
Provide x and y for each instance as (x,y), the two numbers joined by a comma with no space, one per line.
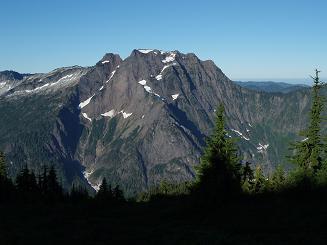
(3,167)
(259,182)
(78,194)
(278,179)
(218,174)
(26,183)
(247,173)
(118,194)
(104,193)
(308,152)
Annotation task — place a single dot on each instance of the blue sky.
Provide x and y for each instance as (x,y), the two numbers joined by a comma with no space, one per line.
(246,39)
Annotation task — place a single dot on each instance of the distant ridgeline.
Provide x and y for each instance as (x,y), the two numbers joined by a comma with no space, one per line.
(272,87)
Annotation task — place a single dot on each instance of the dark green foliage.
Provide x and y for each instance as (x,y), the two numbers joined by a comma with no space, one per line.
(26,182)
(278,179)
(78,194)
(3,167)
(259,181)
(118,194)
(104,193)
(308,152)
(247,172)
(166,189)
(108,194)
(218,174)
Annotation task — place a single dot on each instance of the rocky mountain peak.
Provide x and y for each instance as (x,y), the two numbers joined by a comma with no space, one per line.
(110,59)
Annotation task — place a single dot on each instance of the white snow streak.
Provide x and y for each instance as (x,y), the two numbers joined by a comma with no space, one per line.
(105,61)
(101,88)
(148,89)
(110,113)
(142,82)
(38,88)
(85,103)
(261,148)
(87,175)
(175,96)
(145,51)
(125,115)
(169,58)
(86,116)
(111,76)
(240,134)
(159,77)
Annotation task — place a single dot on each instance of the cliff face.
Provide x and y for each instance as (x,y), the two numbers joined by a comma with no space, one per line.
(140,120)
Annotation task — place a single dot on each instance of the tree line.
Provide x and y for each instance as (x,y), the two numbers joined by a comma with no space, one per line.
(45,186)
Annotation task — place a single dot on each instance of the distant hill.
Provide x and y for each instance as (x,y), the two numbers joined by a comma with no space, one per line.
(272,87)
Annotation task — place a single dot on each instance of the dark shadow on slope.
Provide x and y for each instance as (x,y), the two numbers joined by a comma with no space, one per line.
(181,117)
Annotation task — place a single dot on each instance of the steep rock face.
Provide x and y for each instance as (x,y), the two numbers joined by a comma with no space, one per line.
(140,120)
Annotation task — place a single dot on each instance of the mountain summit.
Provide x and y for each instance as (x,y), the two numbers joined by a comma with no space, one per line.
(138,121)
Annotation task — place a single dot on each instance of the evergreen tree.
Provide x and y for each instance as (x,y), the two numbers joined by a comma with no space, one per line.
(118,194)
(218,174)
(53,183)
(78,194)
(322,172)
(259,182)
(6,185)
(26,183)
(3,167)
(54,189)
(247,178)
(308,152)
(104,193)
(247,173)
(278,179)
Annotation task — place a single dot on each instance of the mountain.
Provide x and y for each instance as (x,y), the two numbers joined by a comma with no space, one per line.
(272,87)
(139,120)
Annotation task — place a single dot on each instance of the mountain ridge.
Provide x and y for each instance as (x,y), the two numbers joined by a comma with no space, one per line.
(139,120)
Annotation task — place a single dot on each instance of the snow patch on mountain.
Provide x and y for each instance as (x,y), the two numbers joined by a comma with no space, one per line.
(175,96)
(261,148)
(142,82)
(169,58)
(148,89)
(111,76)
(240,134)
(105,61)
(86,116)
(86,102)
(110,113)
(125,114)
(159,77)
(37,88)
(145,51)
(166,66)
(87,175)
